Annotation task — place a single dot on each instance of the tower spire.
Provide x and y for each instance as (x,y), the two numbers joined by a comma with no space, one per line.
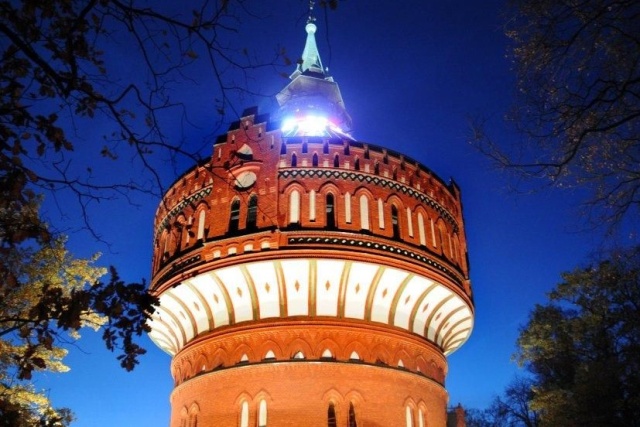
(312,91)
(310,61)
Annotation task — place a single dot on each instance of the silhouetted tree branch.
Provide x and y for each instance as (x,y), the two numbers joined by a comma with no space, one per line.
(578,102)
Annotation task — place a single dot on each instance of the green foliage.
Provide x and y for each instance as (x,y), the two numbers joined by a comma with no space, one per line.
(46,297)
(583,346)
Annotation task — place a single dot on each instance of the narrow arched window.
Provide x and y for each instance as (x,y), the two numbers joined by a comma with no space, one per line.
(314,160)
(244,414)
(283,148)
(331,416)
(352,416)
(234,217)
(443,237)
(394,222)
(421,233)
(179,226)
(420,418)
(252,213)
(409,416)
(380,214)
(262,414)
(347,208)
(336,161)
(330,212)
(294,207)
(312,205)
(294,160)
(409,222)
(188,232)
(364,212)
(304,147)
(325,148)
(376,169)
(346,149)
(434,241)
(395,174)
(357,164)
(385,159)
(201,219)
(184,417)
(366,153)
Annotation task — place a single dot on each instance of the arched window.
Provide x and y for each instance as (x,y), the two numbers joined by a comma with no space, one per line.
(352,416)
(336,161)
(183,417)
(366,153)
(385,159)
(364,213)
(409,222)
(346,149)
(179,227)
(314,160)
(443,237)
(395,174)
(252,213)
(330,212)
(262,413)
(294,160)
(234,217)
(165,242)
(244,414)
(394,222)
(283,148)
(294,207)
(376,168)
(312,205)
(457,256)
(421,234)
(420,418)
(380,214)
(357,164)
(325,148)
(193,417)
(201,218)
(331,416)
(409,416)
(188,232)
(433,234)
(347,208)
(304,147)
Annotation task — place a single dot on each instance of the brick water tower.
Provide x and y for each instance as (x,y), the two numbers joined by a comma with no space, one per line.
(306,278)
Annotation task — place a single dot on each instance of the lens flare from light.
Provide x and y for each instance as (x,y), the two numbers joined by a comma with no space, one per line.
(308,126)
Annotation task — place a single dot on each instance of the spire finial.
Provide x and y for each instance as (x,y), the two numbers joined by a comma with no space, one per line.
(311,19)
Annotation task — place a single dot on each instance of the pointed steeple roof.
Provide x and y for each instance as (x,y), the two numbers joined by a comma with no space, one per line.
(311,90)
(311,61)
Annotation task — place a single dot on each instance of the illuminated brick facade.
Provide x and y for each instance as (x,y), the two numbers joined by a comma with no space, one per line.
(309,281)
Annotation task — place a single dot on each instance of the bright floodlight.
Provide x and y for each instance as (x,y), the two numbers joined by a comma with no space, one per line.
(288,125)
(308,126)
(313,126)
